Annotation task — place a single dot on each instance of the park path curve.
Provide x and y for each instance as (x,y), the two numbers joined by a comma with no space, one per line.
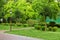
(5,36)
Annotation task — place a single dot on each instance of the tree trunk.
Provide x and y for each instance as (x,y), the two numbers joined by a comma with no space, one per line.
(45,23)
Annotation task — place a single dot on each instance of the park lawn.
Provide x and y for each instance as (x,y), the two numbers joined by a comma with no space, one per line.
(7,26)
(37,34)
(4,27)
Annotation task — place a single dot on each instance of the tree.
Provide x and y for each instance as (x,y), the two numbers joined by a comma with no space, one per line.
(2,2)
(33,10)
(54,9)
(9,6)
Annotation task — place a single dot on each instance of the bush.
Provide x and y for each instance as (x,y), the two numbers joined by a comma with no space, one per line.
(18,24)
(31,22)
(50,29)
(47,29)
(37,27)
(43,28)
(7,24)
(54,29)
(25,25)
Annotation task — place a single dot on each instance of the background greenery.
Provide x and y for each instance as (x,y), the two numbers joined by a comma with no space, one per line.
(22,10)
(27,13)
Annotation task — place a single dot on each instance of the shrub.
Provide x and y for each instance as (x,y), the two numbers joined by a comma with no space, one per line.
(55,29)
(19,24)
(47,29)
(43,28)
(25,25)
(31,22)
(50,29)
(7,24)
(37,27)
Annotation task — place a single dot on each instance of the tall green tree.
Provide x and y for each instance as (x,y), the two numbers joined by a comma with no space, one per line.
(2,2)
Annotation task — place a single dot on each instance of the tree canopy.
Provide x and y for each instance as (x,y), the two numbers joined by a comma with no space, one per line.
(29,9)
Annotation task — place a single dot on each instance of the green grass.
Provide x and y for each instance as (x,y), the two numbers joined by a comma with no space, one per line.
(37,34)
(32,32)
(7,26)
(3,27)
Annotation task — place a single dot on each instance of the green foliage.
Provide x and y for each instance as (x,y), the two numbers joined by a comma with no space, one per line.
(9,7)
(31,22)
(51,0)
(2,3)
(50,29)
(54,9)
(43,28)
(25,25)
(18,24)
(55,29)
(37,27)
(29,9)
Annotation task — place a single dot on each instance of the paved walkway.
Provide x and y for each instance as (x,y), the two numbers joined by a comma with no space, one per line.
(4,36)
